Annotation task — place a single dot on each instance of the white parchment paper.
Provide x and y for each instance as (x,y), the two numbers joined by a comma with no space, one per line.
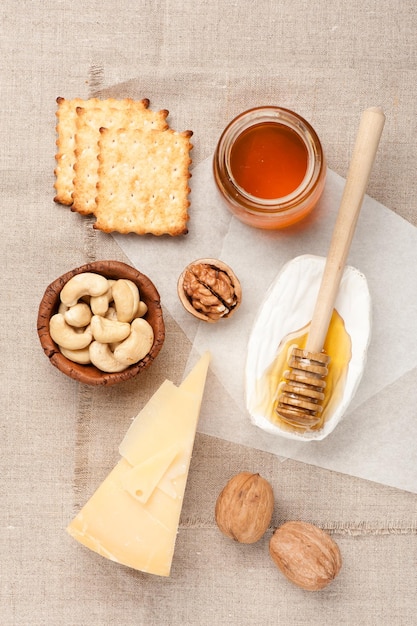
(377,437)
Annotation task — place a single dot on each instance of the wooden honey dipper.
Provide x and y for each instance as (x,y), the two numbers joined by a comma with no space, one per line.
(301,394)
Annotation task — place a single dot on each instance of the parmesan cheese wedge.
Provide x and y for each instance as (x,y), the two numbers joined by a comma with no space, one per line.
(133,516)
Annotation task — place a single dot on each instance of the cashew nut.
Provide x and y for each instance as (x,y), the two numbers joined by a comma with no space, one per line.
(137,345)
(77,356)
(78,315)
(102,357)
(111,313)
(84,284)
(142,309)
(109,331)
(100,304)
(126,299)
(66,336)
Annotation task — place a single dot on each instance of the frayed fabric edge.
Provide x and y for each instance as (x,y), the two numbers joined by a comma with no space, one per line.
(352,529)
(95,80)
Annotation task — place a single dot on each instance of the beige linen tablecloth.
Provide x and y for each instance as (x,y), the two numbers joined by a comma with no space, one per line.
(205,62)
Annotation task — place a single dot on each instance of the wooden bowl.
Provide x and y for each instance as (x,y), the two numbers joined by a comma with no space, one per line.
(89,374)
(217,265)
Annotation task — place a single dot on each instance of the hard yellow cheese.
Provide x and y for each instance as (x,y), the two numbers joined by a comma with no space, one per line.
(133,516)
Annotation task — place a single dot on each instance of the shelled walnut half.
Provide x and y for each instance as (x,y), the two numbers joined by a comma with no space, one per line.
(209,289)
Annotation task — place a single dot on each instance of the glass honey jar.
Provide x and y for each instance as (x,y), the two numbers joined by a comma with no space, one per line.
(269,167)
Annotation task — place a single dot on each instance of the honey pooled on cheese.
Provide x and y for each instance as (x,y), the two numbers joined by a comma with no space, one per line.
(337,346)
(133,516)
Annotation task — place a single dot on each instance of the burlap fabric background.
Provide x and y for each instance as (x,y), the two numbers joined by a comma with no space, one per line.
(205,62)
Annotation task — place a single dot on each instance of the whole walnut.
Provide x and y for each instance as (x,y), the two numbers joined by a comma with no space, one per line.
(305,554)
(244,507)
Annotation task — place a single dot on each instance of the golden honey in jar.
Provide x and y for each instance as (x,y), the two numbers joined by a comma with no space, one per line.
(269,167)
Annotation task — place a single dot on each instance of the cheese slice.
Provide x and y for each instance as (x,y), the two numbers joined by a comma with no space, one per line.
(142,479)
(133,516)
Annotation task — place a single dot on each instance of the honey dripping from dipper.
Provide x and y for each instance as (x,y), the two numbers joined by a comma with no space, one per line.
(337,353)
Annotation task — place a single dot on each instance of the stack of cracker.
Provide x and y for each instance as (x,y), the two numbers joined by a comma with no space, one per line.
(119,161)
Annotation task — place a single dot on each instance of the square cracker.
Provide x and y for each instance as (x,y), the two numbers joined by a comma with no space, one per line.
(66,129)
(88,124)
(143,181)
